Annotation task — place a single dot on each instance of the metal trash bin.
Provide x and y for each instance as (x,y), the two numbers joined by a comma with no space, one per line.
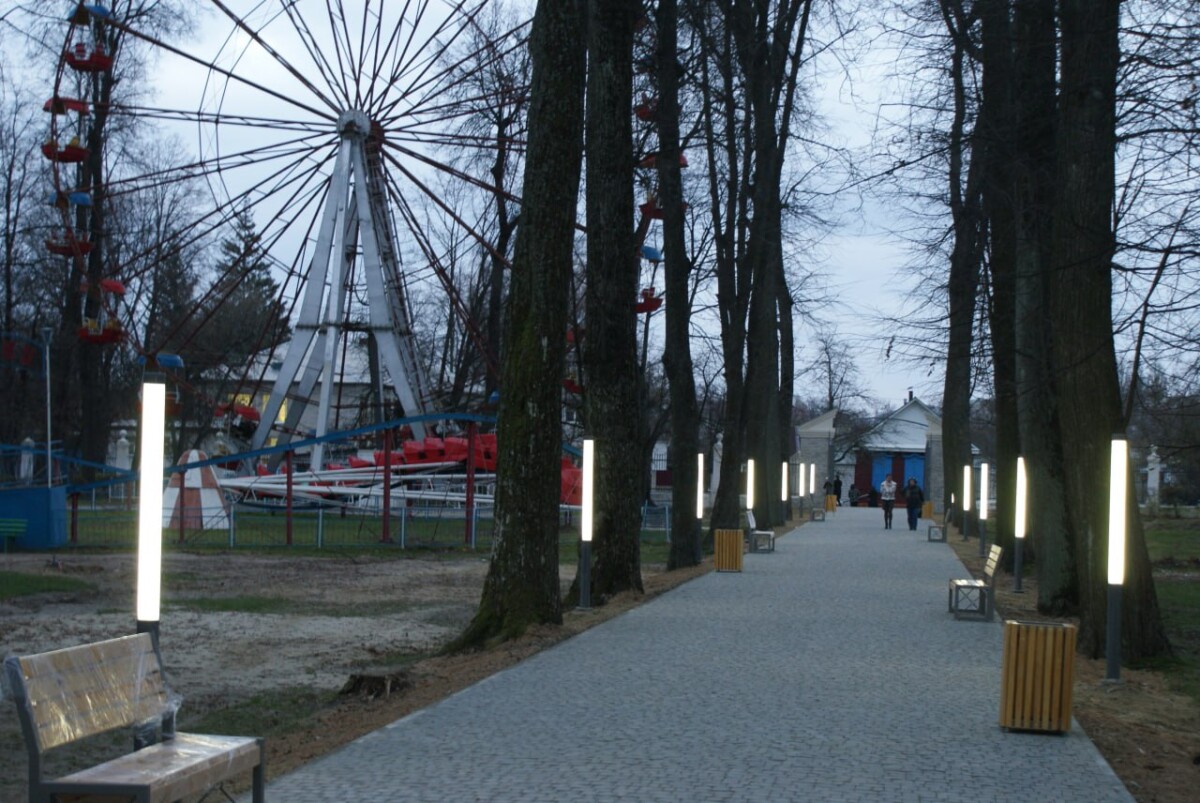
(727,550)
(1038,676)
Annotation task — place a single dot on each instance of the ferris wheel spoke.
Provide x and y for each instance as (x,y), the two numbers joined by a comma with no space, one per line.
(315,52)
(221,215)
(222,288)
(275,54)
(254,157)
(417,69)
(215,118)
(435,86)
(158,43)
(445,207)
(420,236)
(444,168)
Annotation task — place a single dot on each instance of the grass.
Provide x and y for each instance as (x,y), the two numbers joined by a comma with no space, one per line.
(283,605)
(16,584)
(1174,545)
(268,714)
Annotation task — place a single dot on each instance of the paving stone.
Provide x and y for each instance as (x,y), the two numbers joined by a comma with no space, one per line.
(828,670)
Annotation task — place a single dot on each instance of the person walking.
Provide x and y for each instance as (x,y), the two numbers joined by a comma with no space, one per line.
(914,498)
(837,489)
(887,496)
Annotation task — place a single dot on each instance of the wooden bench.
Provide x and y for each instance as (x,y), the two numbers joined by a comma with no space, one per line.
(758,540)
(12,528)
(976,598)
(79,692)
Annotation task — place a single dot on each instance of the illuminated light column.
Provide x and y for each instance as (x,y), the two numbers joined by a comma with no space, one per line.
(150,507)
(802,485)
(966,483)
(1119,481)
(750,484)
(984,505)
(783,482)
(585,524)
(1019,525)
(812,479)
(700,486)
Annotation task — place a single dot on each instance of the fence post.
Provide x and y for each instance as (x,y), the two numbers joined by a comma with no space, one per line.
(287,466)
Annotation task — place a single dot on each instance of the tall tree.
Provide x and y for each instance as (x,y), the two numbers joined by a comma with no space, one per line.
(758,59)
(995,136)
(610,348)
(521,587)
(677,354)
(1088,388)
(1035,62)
(967,252)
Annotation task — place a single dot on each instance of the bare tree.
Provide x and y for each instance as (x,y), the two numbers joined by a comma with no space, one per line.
(522,582)
(1088,391)
(610,348)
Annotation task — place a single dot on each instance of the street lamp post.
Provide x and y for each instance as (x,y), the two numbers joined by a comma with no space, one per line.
(1118,477)
(1019,523)
(984,505)
(46,334)
(150,505)
(585,524)
(966,505)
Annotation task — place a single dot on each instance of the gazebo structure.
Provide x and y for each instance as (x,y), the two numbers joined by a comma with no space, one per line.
(906,444)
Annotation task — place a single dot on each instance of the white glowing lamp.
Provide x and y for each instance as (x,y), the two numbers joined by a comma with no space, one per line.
(586,497)
(750,484)
(812,478)
(984,502)
(783,483)
(966,489)
(700,485)
(803,483)
(150,501)
(1022,494)
(1119,479)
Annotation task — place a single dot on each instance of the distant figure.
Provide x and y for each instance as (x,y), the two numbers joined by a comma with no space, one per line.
(914,497)
(830,499)
(853,495)
(837,488)
(887,495)
(872,498)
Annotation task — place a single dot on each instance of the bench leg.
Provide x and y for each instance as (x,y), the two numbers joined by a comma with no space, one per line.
(260,774)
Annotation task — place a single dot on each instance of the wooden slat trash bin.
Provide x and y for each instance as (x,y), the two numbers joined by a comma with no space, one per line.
(1037,677)
(727,550)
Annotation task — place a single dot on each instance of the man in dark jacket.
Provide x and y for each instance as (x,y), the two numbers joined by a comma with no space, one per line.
(914,498)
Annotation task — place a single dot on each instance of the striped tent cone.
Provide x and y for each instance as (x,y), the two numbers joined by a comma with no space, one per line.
(193,499)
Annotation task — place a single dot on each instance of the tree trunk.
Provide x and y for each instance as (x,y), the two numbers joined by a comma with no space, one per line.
(610,348)
(1050,547)
(677,352)
(1081,306)
(962,286)
(995,137)
(522,582)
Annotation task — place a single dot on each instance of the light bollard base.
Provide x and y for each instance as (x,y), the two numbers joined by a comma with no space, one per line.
(585,575)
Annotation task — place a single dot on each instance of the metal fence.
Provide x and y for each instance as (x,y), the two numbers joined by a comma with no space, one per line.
(112,523)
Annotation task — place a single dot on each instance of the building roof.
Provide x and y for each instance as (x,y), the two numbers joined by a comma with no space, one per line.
(906,430)
(823,426)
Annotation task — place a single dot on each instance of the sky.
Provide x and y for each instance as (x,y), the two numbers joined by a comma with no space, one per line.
(860,261)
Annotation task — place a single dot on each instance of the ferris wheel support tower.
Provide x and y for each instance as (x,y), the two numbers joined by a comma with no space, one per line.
(355,221)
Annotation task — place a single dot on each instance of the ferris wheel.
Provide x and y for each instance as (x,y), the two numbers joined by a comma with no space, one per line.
(344,130)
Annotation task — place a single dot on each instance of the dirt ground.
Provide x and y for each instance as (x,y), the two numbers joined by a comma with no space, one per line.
(330,621)
(1149,734)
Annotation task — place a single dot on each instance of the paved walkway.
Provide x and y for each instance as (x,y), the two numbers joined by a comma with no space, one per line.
(827,671)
